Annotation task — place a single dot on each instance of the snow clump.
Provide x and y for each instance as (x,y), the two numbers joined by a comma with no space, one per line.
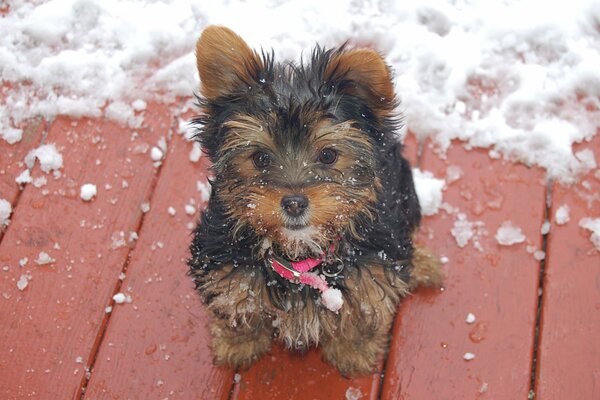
(508,234)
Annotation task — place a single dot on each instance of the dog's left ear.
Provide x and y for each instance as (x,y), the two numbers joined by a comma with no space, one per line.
(366,76)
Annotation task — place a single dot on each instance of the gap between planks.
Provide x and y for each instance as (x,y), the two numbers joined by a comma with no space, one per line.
(541,282)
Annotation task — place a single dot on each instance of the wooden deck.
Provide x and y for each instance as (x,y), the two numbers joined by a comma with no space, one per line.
(63,337)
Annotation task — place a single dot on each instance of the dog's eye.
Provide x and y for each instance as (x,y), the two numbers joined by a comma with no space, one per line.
(327,156)
(261,160)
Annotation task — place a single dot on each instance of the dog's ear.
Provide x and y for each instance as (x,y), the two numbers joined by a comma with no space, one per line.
(364,74)
(225,62)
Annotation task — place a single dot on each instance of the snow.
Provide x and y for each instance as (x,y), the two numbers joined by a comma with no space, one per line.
(429,191)
(545,228)
(470,318)
(24,177)
(353,393)
(156,154)
(592,225)
(332,299)
(5,211)
(48,156)
(468,356)
(508,234)
(562,214)
(11,135)
(22,282)
(88,191)
(196,152)
(517,77)
(462,230)
(44,258)
(121,298)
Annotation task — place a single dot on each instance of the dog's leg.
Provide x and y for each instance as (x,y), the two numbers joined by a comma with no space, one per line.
(358,350)
(426,270)
(358,337)
(240,346)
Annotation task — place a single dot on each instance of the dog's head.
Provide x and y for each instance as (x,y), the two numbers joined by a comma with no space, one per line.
(295,147)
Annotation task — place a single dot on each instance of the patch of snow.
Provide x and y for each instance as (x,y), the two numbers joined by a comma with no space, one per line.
(88,191)
(429,191)
(24,177)
(545,228)
(121,298)
(22,282)
(462,230)
(5,212)
(11,135)
(562,214)
(190,209)
(353,393)
(171,211)
(204,189)
(592,225)
(44,258)
(156,154)
(332,299)
(519,78)
(470,318)
(145,207)
(196,152)
(508,234)
(48,156)
(468,356)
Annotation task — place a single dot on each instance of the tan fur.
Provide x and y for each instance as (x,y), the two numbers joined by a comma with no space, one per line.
(223,58)
(353,340)
(426,268)
(367,68)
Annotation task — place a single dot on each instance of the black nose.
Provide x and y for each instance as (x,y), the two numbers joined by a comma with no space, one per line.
(294,205)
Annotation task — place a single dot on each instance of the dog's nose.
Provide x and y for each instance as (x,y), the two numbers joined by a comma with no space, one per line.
(294,205)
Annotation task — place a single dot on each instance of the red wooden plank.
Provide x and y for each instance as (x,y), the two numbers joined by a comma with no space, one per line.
(287,375)
(12,157)
(498,284)
(569,350)
(159,342)
(49,330)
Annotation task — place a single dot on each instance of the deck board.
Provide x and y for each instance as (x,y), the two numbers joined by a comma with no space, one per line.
(159,342)
(49,330)
(497,284)
(569,350)
(12,158)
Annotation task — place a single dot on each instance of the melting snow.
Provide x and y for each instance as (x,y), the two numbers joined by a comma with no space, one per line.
(507,234)
(592,225)
(520,78)
(88,191)
(429,190)
(562,214)
(5,211)
(49,157)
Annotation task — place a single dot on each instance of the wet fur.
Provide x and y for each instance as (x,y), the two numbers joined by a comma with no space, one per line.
(365,203)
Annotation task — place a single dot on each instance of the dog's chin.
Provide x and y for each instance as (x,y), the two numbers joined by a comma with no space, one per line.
(297,242)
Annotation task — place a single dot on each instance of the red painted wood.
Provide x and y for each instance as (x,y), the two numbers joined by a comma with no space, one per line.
(49,330)
(282,374)
(569,351)
(287,375)
(498,284)
(12,157)
(12,163)
(159,342)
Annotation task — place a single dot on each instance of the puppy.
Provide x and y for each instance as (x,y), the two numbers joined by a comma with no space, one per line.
(307,237)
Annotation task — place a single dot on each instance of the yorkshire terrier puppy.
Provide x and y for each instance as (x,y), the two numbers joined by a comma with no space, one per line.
(307,237)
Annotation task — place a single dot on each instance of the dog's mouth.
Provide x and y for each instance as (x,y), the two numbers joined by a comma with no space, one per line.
(296,223)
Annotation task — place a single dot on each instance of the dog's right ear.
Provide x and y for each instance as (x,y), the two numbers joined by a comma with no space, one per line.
(225,62)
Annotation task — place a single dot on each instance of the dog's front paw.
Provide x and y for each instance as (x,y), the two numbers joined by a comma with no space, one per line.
(237,349)
(353,359)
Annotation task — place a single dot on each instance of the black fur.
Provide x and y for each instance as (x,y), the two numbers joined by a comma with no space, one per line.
(297,93)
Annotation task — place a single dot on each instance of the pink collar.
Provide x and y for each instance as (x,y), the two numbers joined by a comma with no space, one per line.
(299,272)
